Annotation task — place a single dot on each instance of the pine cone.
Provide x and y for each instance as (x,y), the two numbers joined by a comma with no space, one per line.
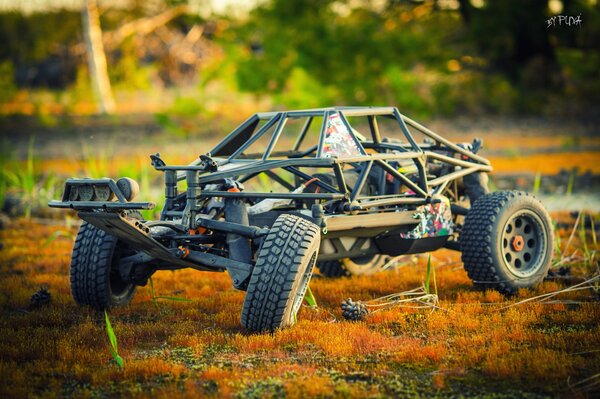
(354,311)
(40,298)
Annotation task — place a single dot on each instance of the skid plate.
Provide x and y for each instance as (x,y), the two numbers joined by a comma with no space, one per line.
(136,235)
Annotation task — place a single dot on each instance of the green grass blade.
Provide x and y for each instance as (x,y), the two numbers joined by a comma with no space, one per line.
(582,238)
(13,178)
(113,341)
(30,177)
(152,292)
(593,226)
(55,235)
(434,279)
(310,298)
(173,298)
(570,184)
(111,333)
(428,275)
(537,182)
(557,242)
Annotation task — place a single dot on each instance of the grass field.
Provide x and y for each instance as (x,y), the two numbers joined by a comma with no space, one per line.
(540,343)
(475,344)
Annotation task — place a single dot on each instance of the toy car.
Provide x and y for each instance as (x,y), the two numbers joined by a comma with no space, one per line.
(286,191)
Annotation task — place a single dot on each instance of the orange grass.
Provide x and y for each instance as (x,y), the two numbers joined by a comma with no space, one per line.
(548,163)
(181,349)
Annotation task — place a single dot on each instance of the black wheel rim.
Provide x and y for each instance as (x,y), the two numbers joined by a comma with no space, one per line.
(524,242)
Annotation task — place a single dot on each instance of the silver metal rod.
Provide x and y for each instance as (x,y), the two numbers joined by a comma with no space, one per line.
(440,139)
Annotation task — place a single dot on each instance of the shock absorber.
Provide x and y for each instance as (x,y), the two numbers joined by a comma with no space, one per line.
(192,195)
(239,246)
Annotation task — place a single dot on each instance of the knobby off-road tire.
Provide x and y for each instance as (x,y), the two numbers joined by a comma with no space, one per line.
(507,241)
(95,278)
(332,269)
(280,278)
(362,266)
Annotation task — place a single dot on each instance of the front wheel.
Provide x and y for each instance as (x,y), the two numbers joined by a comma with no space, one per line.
(95,277)
(280,278)
(507,241)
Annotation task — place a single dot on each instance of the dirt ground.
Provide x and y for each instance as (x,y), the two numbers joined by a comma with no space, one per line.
(475,344)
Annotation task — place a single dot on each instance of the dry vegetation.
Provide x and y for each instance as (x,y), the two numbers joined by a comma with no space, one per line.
(473,345)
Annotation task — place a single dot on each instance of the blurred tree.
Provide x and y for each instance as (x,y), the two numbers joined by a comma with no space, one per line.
(425,56)
(96,57)
(39,47)
(351,52)
(513,35)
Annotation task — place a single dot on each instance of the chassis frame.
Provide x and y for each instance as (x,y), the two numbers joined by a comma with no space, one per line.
(206,226)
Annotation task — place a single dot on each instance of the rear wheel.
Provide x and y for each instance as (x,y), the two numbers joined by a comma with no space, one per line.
(95,277)
(507,241)
(282,273)
(332,269)
(364,265)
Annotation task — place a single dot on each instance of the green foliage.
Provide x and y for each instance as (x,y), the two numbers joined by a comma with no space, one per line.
(112,338)
(5,155)
(28,39)
(427,59)
(96,161)
(169,124)
(142,172)
(33,189)
(303,91)
(183,118)
(80,91)
(127,71)
(405,92)
(7,83)
(365,56)
(3,189)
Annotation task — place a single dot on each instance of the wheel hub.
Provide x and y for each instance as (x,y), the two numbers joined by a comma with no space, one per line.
(518,243)
(524,243)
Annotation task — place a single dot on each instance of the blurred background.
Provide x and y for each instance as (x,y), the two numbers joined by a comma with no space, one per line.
(91,87)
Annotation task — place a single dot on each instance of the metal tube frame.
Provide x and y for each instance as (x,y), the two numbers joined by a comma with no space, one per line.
(380,155)
(182,209)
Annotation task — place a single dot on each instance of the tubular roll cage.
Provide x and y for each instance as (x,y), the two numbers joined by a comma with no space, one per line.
(230,163)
